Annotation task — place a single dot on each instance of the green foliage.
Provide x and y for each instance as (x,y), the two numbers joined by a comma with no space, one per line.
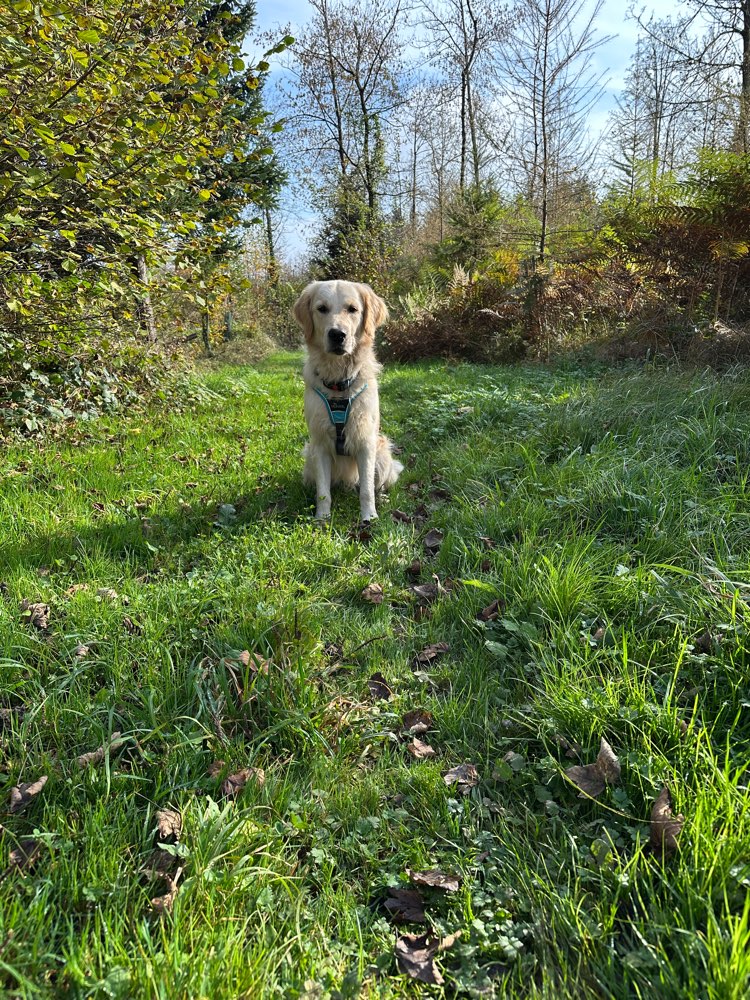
(124,121)
(356,242)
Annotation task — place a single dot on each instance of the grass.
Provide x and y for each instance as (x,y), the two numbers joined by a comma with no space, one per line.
(608,512)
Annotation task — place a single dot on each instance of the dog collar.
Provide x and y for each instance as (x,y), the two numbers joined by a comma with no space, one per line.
(342,385)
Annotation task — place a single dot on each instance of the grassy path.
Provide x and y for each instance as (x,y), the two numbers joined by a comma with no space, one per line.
(606,512)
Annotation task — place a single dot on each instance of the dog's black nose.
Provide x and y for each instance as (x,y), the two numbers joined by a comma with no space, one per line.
(336,336)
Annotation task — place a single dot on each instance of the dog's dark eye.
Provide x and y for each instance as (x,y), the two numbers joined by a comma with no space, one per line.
(352,309)
(322,309)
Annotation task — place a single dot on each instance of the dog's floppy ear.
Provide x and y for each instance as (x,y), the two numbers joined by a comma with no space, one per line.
(303,312)
(375,312)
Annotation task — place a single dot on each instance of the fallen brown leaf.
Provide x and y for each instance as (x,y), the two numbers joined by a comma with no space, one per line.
(130,626)
(373,593)
(81,651)
(420,750)
(233,785)
(491,612)
(414,569)
(25,855)
(707,642)
(168,826)
(163,904)
(21,795)
(379,688)
(664,826)
(426,591)
(406,906)
(416,953)
(76,588)
(98,755)
(464,776)
(400,515)
(215,768)
(592,778)
(109,594)
(489,543)
(430,652)
(417,721)
(435,879)
(257,663)
(361,532)
(432,541)
(35,613)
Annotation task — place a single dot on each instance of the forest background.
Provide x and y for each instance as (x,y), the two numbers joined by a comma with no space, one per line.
(450,152)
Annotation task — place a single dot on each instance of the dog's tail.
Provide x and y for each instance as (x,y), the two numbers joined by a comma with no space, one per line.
(387,468)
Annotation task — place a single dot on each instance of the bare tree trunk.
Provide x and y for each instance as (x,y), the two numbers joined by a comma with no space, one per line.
(545,137)
(413,209)
(273,264)
(462,173)
(144,307)
(206,329)
(229,319)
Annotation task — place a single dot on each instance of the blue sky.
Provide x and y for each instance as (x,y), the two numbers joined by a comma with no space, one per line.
(612,60)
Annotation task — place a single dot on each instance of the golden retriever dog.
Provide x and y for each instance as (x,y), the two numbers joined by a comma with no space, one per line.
(339,320)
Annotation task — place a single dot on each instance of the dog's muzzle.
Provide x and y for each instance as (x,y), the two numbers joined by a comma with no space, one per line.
(336,340)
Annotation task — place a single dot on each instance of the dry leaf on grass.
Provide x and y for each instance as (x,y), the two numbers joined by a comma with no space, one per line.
(435,879)
(168,826)
(406,906)
(25,855)
(35,613)
(258,664)
(81,651)
(416,956)
(464,777)
(664,826)
(414,569)
(373,593)
(417,721)
(400,515)
(491,612)
(234,783)
(130,626)
(420,750)
(592,778)
(76,588)
(109,594)
(215,768)
(361,532)
(22,794)
(707,642)
(429,653)
(163,904)
(379,688)
(427,592)
(432,541)
(98,755)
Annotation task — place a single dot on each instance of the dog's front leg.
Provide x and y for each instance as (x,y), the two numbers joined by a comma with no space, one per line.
(366,467)
(322,469)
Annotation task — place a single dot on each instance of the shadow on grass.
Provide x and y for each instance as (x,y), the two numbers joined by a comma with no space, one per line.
(143,542)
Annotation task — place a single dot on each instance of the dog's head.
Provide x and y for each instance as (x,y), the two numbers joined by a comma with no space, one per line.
(339,317)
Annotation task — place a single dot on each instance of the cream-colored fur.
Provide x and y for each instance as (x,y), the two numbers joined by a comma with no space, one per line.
(339,320)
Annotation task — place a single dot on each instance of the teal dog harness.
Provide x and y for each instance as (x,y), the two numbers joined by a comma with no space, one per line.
(338,409)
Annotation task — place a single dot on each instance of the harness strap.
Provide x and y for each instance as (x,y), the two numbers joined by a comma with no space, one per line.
(338,412)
